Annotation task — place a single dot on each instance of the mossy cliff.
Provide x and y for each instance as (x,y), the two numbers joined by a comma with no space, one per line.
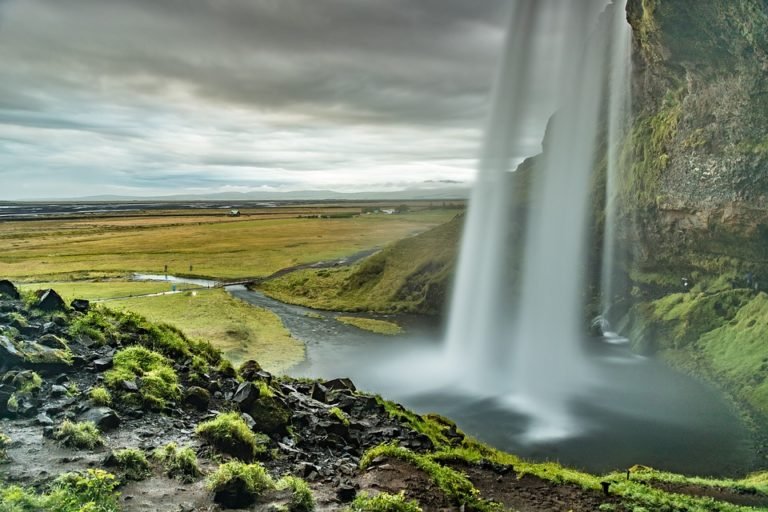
(698,185)
(696,194)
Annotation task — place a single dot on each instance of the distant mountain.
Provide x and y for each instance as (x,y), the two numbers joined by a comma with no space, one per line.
(446,193)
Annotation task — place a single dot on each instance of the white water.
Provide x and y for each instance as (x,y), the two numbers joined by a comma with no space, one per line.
(618,125)
(522,340)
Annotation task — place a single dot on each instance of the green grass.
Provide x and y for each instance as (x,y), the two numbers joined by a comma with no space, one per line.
(339,415)
(228,433)
(239,330)
(178,462)
(134,463)
(410,275)
(454,484)
(254,476)
(158,382)
(372,325)
(384,502)
(218,247)
(100,396)
(5,442)
(100,290)
(92,491)
(82,435)
(302,499)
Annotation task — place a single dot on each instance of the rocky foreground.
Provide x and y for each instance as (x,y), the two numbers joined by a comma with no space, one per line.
(104,411)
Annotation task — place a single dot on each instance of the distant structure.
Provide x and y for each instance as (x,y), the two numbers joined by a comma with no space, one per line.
(234,213)
(388,211)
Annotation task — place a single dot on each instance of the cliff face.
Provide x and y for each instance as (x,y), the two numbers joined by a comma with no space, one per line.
(698,188)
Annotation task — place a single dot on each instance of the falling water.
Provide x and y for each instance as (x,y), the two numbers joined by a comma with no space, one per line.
(618,123)
(521,337)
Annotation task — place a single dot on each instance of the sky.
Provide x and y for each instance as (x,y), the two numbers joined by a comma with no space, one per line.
(154,97)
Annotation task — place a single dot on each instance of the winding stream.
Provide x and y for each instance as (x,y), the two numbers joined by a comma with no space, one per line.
(688,428)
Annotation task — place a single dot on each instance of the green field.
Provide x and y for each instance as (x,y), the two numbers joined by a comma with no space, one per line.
(101,290)
(91,258)
(217,247)
(239,330)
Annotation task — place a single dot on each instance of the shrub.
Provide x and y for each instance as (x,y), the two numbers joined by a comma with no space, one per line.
(229,433)
(134,463)
(178,462)
(384,502)
(337,413)
(159,382)
(301,497)
(93,491)
(100,396)
(79,435)
(253,478)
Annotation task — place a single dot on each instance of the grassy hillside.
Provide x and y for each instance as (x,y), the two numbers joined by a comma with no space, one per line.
(715,333)
(411,275)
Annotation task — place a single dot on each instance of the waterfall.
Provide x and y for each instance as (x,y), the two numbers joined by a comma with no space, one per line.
(516,319)
(618,123)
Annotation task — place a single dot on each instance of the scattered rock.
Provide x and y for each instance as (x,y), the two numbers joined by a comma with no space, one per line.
(58,390)
(51,301)
(104,417)
(130,386)
(44,419)
(250,369)
(52,341)
(246,395)
(102,364)
(80,305)
(340,384)
(319,392)
(271,415)
(234,494)
(197,397)
(9,290)
(346,493)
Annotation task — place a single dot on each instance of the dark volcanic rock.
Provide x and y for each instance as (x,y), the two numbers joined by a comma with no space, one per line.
(346,493)
(234,494)
(340,384)
(197,397)
(319,392)
(7,289)
(104,417)
(52,341)
(102,364)
(250,369)
(271,415)
(10,357)
(246,395)
(80,305)
(51,301)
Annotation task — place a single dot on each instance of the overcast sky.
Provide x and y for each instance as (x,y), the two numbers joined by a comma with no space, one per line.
(146,97)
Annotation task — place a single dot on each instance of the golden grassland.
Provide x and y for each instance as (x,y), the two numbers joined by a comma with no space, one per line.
(393,280)
(372,325)
(215,246)
(240,330)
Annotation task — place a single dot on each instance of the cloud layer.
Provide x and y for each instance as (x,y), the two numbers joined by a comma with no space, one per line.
(168,96)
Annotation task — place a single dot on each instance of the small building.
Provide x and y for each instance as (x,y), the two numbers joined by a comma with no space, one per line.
(388,211)
(234,213)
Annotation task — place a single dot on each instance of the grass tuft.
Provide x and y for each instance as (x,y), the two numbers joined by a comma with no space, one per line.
(178,462)
(100,396)
(134,463)
(302,499)
(159,382)
(384,502)
(228,433)
(81,435)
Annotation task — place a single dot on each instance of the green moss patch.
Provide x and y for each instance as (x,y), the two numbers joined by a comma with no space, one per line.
(82,435)
(159,382)
(372,325)
(133,463)
(178,462)
(384,502)
(228,433)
